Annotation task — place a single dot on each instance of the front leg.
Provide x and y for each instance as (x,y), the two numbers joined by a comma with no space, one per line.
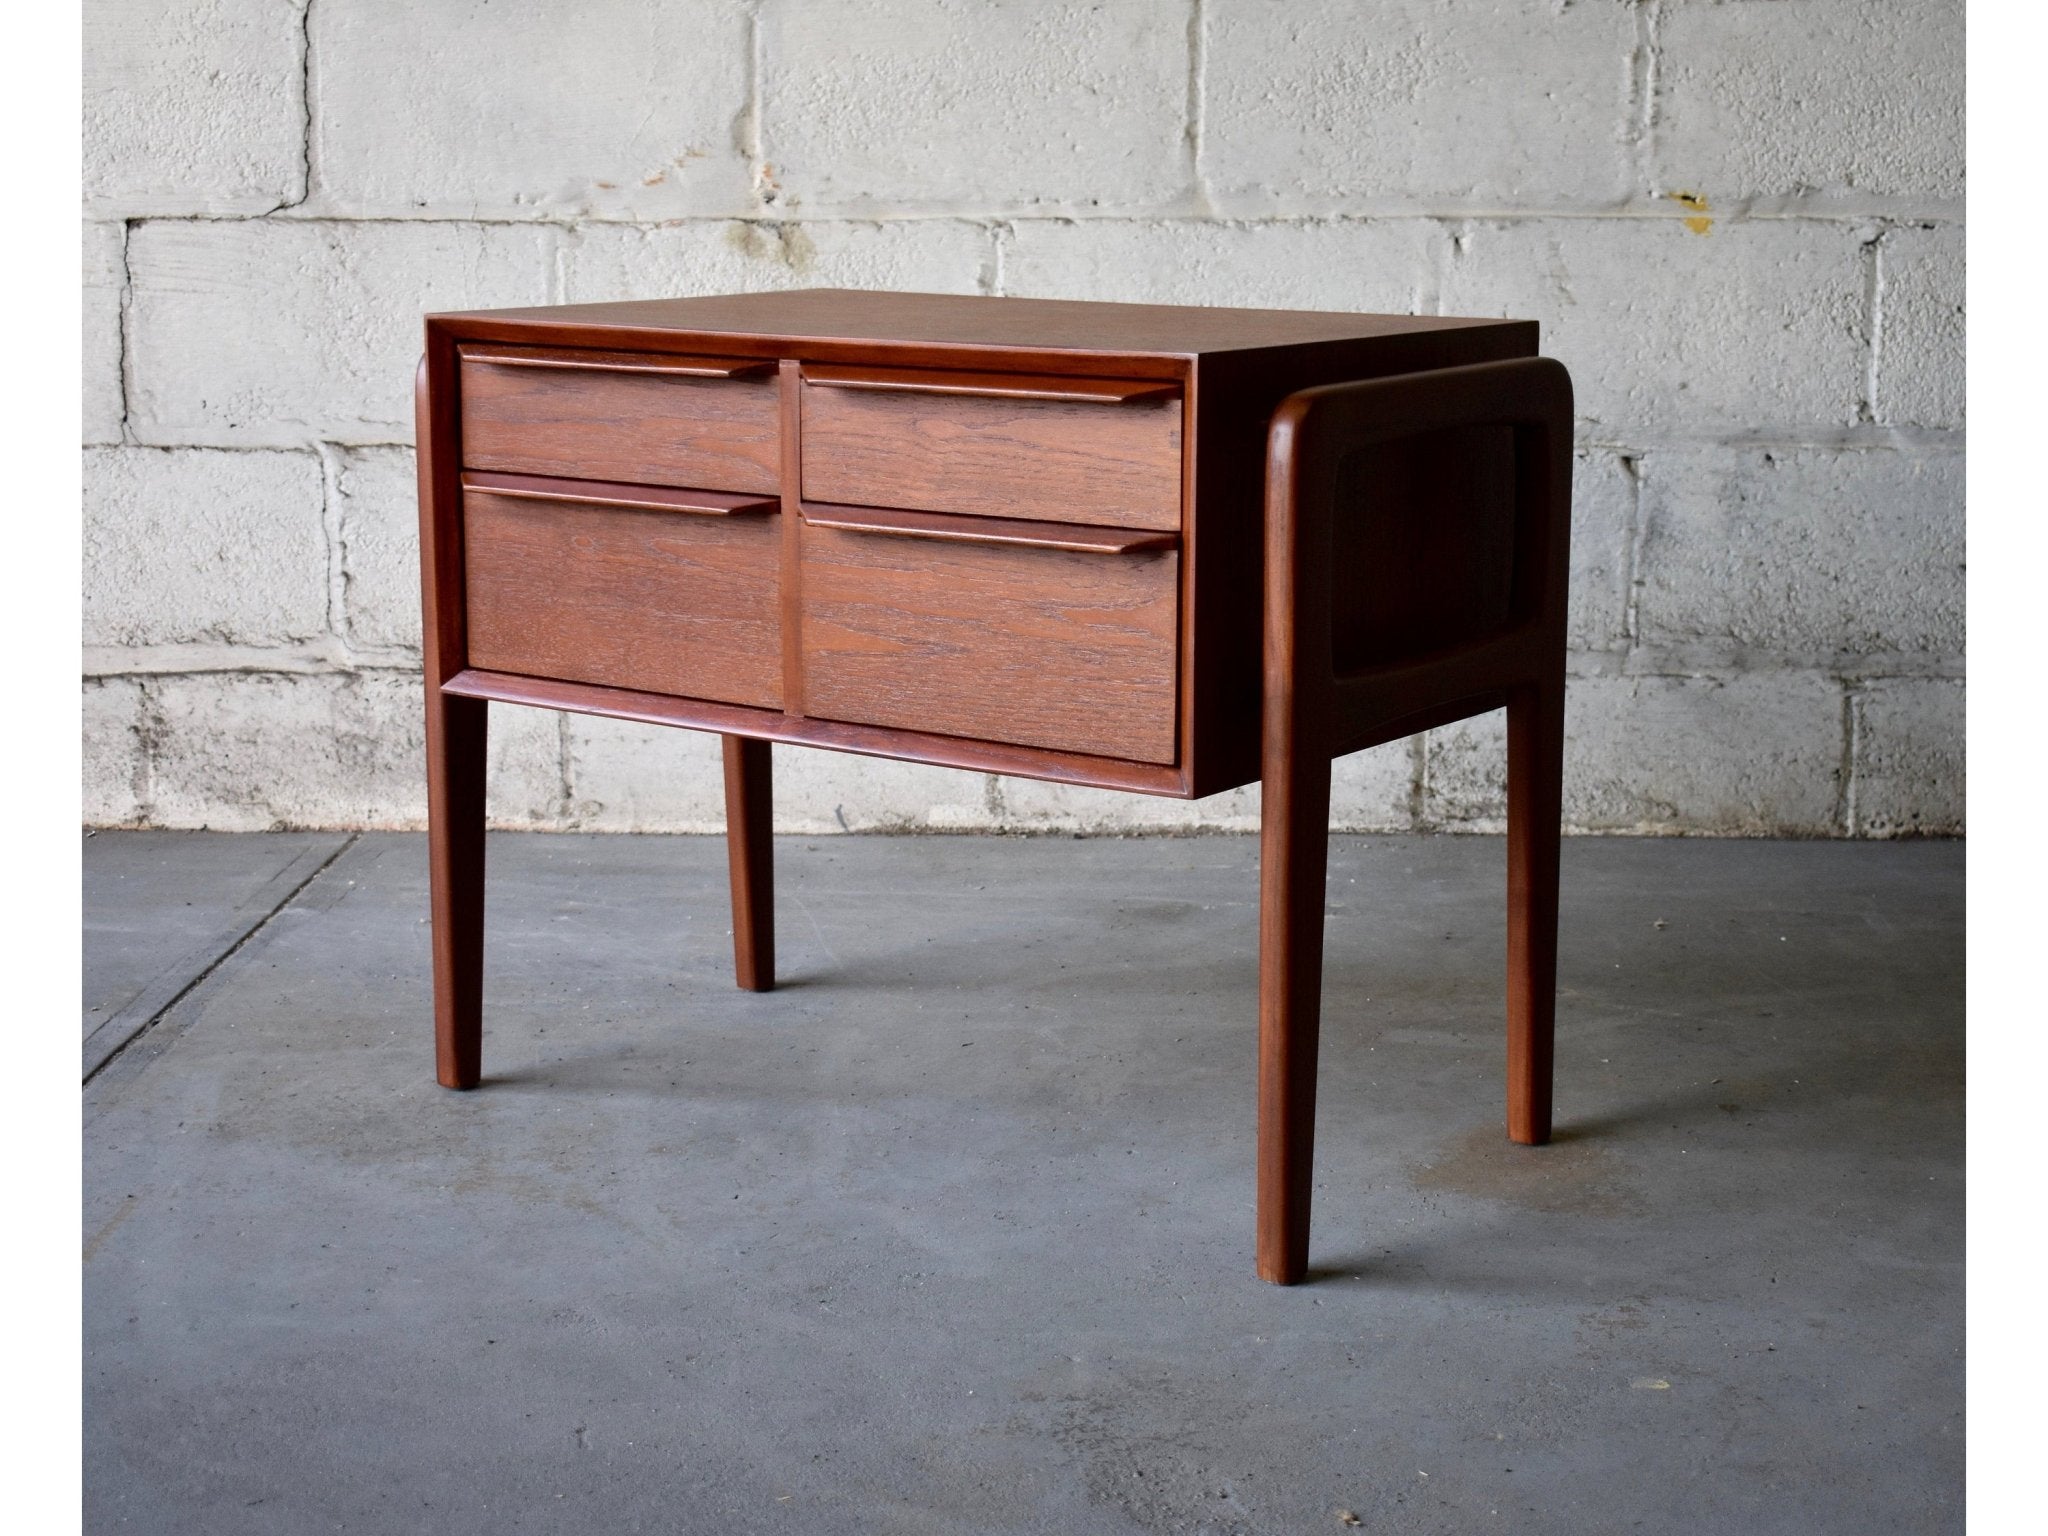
(456,737)
(750,851)
(1294,847)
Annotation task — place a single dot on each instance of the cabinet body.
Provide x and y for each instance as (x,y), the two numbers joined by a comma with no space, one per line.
(1021,536)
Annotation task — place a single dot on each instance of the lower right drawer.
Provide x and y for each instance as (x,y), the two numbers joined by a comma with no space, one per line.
(1020,643)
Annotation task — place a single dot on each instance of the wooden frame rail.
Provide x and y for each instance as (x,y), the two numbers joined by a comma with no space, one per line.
(1312,714)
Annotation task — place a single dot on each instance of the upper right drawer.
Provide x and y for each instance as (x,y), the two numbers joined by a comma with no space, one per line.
(1066,450)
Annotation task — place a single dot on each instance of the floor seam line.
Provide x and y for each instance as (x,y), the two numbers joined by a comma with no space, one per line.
(220,960)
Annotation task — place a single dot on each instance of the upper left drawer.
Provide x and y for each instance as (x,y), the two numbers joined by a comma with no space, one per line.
(648,418)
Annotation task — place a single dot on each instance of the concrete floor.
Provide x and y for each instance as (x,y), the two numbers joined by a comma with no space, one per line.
(953,1232)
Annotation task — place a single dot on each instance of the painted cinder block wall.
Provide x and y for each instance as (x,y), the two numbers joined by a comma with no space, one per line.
(1740,224)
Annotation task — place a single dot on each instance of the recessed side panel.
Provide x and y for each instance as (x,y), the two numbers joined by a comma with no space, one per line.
(1425,545)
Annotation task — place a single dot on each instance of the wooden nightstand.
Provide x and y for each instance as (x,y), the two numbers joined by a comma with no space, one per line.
(1167,550)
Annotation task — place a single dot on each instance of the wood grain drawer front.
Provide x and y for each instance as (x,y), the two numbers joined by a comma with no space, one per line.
(1102,451)
(1033,645)
(622,590)
(654,418)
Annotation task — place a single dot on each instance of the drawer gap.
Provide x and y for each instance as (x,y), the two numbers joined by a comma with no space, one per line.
(589,360)
(608,493)
(999,386)
(1077,537)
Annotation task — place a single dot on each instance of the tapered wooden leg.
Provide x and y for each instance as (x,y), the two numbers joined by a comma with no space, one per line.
(750,850)
(1294,848)
(457,732)
(1535,806)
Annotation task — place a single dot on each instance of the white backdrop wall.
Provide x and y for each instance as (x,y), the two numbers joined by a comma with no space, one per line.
(1740,224)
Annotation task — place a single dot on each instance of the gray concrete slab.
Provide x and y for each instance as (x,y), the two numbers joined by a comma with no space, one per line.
(163,907)
(953,1232)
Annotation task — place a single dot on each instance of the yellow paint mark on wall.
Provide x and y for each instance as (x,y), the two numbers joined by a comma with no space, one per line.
(1698,205)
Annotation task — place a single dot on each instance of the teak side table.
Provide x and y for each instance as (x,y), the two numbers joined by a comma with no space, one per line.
(1169,550)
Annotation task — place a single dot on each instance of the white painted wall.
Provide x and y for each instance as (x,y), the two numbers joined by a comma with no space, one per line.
(1740,224)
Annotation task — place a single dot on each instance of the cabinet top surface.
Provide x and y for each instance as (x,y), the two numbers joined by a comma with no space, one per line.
(845,314)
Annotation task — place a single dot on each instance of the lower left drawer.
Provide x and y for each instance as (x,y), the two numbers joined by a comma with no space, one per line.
(656,590)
